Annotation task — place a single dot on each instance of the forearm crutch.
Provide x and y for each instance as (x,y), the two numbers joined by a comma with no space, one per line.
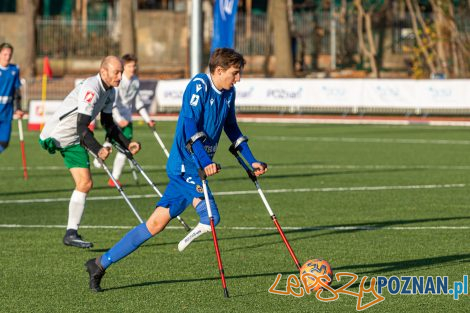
(131,159)
(234,150)
(23,151)
(159,140)
(203,177)
(116,184)
(134,173)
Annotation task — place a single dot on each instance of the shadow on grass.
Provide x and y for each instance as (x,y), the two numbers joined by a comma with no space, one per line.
(340,229)
(308,231)
(243,175)
(394,267)
(126,187)
(192,280)
(46,191)
(399,267)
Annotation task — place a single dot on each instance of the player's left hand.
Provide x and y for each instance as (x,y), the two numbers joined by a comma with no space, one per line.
(19,113)
(134,147)
(259,168)
(123,123)
(151,124)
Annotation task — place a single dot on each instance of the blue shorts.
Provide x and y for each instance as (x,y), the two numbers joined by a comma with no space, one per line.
(5,131)
(181,191)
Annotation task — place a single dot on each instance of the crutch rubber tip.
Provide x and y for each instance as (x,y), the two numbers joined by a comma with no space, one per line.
(226,293)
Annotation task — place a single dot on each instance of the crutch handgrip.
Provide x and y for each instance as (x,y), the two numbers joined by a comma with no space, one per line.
(202,173)
(124,151)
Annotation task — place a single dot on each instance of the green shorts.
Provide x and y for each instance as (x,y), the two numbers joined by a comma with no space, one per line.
(128,131)
(74,156)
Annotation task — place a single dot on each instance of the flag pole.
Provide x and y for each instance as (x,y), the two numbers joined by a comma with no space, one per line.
(46,72)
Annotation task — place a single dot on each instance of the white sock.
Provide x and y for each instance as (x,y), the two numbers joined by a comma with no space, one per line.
(118,164)
(193,234)
(76,208)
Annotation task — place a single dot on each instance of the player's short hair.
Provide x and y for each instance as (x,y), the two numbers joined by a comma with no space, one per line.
(226,58)
(127,58)
(6,45)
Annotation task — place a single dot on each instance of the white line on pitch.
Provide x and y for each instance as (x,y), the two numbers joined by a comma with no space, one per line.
(246,192)
(340,228)
(62,168)
(275,166)
(367,140)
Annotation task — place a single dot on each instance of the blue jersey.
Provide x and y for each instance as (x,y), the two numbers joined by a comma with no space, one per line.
(9,82)
(211,109)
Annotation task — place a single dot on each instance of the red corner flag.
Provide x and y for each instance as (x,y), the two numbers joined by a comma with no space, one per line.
(46,67)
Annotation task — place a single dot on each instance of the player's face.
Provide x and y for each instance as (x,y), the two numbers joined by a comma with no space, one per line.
(130,69)
(5,56)
(227,78)
(113,74)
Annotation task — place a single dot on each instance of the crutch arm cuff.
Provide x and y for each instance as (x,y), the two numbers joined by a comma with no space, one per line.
(234,147)
(241,144)
(197,136)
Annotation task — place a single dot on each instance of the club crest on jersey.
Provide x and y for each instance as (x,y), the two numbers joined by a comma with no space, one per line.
(194,100)
(212,101)
(199,189)
(198,87)
(89,96)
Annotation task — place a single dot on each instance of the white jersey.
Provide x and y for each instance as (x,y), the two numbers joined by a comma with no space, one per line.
(88,98)
(127,96)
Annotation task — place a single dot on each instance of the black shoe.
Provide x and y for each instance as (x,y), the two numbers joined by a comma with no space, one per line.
(96,273)
(74,239)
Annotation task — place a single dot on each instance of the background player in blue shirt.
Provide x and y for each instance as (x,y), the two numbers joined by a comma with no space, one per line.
(208,107)
(10,97)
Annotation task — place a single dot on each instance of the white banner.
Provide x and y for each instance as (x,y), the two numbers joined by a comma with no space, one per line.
(443,94)
(170,92)
(40,111)
(334,93)
(389,93)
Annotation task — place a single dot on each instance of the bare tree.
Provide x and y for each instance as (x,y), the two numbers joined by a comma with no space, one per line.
(423,45)
(127,43)
(30,8)
(441,45)
(278,20)
(364,20)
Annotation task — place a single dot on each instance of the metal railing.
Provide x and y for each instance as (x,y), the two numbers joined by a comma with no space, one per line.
(68,38)
(61,38)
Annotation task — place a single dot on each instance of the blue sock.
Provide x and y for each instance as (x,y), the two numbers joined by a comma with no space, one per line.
(201,210)
(131,241)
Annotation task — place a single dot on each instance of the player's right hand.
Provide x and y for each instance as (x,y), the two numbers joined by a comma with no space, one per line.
(211,169)
(104,153)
